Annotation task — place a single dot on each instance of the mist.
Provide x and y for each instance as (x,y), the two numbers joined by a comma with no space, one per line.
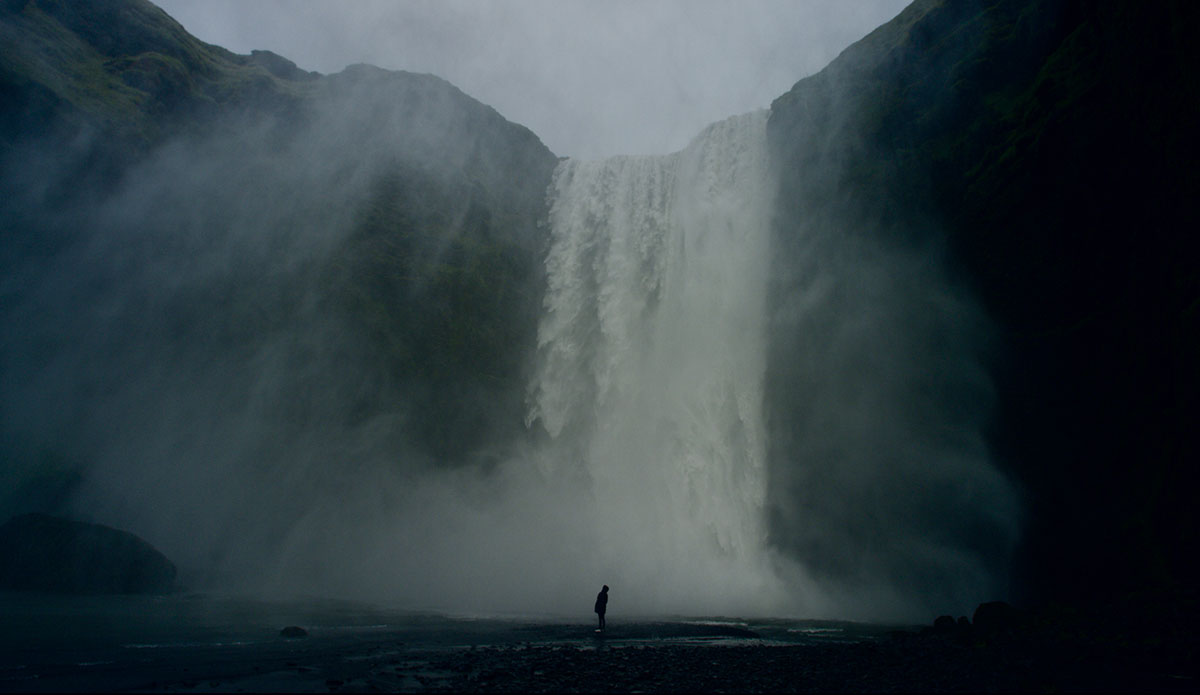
(180,359)
(883,483)
(219,349)
(180,371)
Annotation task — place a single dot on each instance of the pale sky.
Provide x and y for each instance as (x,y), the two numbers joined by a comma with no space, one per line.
(591,78)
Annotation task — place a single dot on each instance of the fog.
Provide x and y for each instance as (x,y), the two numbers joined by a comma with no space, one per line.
(176,362)
(591,79)
(883,482)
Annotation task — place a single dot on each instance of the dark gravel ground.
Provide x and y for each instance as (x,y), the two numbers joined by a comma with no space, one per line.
(909,663)
(1046,660)
(100,648)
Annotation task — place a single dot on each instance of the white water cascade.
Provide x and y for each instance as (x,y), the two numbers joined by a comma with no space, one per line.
(652,360)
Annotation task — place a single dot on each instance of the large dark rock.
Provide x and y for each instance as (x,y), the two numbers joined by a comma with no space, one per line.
(995,617)
(946,627)
(49,554)
(944,624)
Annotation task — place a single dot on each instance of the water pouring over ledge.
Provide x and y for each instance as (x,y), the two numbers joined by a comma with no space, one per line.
(653,356)
(649,470)
(652,360)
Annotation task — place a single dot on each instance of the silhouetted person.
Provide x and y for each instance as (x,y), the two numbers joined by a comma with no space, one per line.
(602,604)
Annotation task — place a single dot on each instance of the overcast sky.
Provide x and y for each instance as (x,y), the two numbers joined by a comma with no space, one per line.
(592,78)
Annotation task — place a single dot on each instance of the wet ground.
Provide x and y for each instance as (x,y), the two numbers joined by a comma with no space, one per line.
(222,644)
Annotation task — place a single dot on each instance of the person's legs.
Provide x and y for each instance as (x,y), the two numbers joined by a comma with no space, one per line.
(601,621)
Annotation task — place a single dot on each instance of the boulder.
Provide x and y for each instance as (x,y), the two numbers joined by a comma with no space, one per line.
(49,554)
(944,625)
(293,632)
(995,617)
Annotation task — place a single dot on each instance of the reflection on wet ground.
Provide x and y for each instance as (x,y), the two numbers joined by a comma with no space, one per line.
(199,642)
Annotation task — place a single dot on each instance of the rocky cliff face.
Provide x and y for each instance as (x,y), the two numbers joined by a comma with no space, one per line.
(1042,150)
(207,252)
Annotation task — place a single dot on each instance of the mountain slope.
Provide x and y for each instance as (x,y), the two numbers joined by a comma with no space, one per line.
(127,69)
(231,283)
(1046,149)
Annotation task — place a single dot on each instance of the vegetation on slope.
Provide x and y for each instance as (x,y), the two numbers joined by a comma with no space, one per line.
(210,252)
(127,69)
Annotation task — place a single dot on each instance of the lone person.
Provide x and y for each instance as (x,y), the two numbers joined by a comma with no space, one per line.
(602,605)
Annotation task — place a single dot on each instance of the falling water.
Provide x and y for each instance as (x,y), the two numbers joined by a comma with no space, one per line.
(652,360)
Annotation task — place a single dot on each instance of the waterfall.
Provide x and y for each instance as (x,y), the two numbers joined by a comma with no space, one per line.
(652,360)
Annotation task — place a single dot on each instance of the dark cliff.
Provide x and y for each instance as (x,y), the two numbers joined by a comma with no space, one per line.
(210,252)
(1046,150)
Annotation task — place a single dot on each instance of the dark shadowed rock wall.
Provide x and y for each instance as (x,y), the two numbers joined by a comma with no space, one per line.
(1048,150)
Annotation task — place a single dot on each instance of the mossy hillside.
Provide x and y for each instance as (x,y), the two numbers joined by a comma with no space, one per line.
(449,306)
(127,69)
(313,252)
(38,50)
(442,266)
